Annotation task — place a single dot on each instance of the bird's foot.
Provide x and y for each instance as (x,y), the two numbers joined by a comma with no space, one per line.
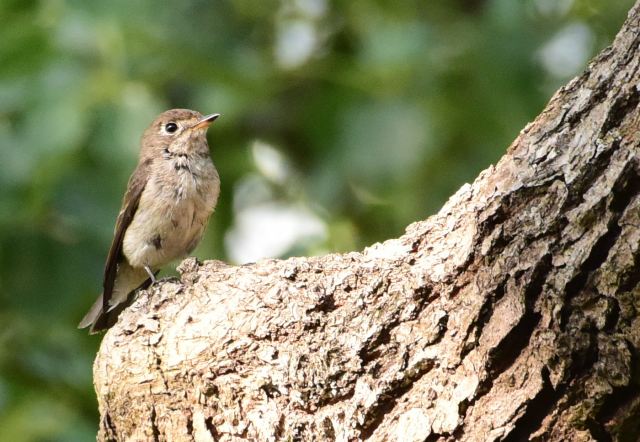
(152,275)
(171,279)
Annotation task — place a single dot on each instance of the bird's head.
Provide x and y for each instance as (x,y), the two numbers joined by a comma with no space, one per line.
(177,131)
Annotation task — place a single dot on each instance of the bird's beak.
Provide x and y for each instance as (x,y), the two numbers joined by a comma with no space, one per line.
(205,121)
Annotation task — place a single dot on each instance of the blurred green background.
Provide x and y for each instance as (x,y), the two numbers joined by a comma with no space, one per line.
(342,123)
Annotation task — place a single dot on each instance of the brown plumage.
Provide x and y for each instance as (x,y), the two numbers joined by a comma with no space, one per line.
(169,198)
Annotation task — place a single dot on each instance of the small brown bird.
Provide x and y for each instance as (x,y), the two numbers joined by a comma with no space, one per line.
(169,198)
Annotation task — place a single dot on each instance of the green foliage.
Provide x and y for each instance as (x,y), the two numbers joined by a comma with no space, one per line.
(345,120)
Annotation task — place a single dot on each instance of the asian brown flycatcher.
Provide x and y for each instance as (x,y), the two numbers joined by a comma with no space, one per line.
(169,198)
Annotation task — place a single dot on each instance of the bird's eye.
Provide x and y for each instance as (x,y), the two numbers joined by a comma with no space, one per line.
(171,127)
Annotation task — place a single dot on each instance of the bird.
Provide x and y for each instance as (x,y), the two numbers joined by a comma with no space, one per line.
(166,207)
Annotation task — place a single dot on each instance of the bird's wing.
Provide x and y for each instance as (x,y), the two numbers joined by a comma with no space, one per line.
(130,202)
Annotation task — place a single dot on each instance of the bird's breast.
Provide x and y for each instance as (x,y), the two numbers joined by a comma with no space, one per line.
(173,211)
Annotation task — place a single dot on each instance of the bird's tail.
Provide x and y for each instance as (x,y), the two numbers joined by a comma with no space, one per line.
(92,315)
(98,320)
(127,282)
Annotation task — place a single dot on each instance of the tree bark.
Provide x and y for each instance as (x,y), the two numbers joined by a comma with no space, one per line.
(510,315)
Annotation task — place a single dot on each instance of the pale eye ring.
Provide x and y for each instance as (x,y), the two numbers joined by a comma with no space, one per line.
(171,127)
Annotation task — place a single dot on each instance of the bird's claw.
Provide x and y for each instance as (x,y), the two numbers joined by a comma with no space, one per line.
(152,275)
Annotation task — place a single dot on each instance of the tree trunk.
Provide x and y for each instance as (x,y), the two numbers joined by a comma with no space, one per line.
(509,315)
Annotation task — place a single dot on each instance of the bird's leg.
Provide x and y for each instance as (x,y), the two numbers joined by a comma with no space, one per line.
(151,274)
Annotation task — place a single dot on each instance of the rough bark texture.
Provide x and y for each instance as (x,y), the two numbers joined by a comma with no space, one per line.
(509,315)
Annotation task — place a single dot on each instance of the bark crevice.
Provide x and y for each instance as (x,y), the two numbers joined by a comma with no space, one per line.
(535,411)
